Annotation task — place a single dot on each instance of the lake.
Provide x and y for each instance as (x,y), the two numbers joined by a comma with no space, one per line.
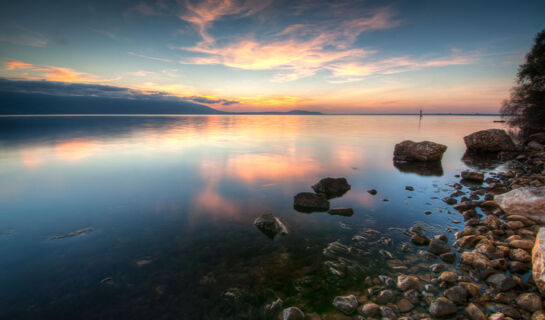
(143,217)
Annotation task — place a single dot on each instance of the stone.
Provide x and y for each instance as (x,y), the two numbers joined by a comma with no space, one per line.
(492,222)
(438,247)
(448,276)
(448,257)
(475,259)
(441,307)
(538,261)
(332,187)
(496,316)
(293,313)
(456,294)
(473,176)
(370,309)
(346,304)
(387,313)
(270,225)
(529,301)
(409,188)
(514,225)
(309,202)
(522,244)
(528,202)
(404,305)
(491,140)
(346,212)
(420,240)
(418,151)
(518,267)
(467,242)
(405,282)
(473,289)
(474,313)
(520,255)
(372,192)
(501,282)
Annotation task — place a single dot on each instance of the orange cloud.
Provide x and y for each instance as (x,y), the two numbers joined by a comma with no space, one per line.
(298,51)
(50,73)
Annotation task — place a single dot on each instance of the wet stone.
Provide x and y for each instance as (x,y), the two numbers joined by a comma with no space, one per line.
(370,309)
(406,282)
(404,305)
(448,257)
(420,240)
(385,296)
(448,276)
(474,312)
(441,307)
(529,301)
(456,294)
(332,187)
(346,304)
(501,282)
(293,313)
(438,247)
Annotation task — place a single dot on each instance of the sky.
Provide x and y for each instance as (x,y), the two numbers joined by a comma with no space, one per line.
(268,55)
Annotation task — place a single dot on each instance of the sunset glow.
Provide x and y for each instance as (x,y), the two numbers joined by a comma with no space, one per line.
(245,55)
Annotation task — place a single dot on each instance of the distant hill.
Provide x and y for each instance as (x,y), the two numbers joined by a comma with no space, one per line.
(41,104)
(36,103)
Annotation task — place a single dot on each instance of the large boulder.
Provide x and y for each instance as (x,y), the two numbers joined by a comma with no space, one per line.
(270,225)
(527,201)
(491,140)
(418,151)
(332,187)
(538,261)
(310,202)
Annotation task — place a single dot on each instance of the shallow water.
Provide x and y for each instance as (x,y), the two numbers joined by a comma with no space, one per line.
(170,204)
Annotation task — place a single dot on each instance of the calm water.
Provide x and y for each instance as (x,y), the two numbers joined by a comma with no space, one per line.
(171,202)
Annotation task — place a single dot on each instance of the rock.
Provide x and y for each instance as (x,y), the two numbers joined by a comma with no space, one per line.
(526,201)
(519,255)
(273,306)
(420,240)
(441,307)
(370,309)
(309,202)
(270,225)
(387,313)
(456,294)
(449,200)
(496,316)
(473,289)
(478,261)
(491,140)
(514,225)
(448,257)
(538,261)
(522,244)
(293,313)
(332,187)
(529,301)
(346,212)
(448,276)
(467,242)
(346,304)
(473,176)
(501,282)
(492,222)
(536,146)
(405,282)
(538,315)
(385,296)
(418,151)
(474,312)
(372,192)
(404,305)
(438,247)
(409,188)
(537,137)
(518,267)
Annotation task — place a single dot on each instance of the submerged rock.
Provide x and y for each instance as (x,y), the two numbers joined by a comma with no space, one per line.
(418,151)
(346,304)
(527,202)
(473,176)
(331,187)
(346,212)
(293,313)
(491,140)
(372,192)
(441,307)
(270,225)
(71,234)
(310,202)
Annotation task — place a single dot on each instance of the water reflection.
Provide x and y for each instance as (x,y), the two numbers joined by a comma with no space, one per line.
(183,192)
(428,168)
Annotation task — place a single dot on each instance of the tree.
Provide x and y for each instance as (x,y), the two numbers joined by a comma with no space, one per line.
(526,106)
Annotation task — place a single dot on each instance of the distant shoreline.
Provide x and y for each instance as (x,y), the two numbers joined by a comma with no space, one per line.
(242,114)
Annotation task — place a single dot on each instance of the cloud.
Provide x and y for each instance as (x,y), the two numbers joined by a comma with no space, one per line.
(30,71)
(202,14)
(23,36)
(212,100)
(297,51)
(149,57)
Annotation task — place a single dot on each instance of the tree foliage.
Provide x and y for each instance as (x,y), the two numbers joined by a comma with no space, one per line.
(526,105)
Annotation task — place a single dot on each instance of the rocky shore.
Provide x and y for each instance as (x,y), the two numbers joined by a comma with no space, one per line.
(495,269)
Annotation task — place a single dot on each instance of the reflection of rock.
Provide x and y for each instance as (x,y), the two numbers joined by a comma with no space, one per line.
(527,201)
(310,202)
(71,234)
(480,161)
(473,176)
(430,168)
(347,212)
(491,140)
(418,151)
(270,225)
(332,187)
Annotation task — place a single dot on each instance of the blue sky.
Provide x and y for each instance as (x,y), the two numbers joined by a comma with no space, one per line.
(330,56)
